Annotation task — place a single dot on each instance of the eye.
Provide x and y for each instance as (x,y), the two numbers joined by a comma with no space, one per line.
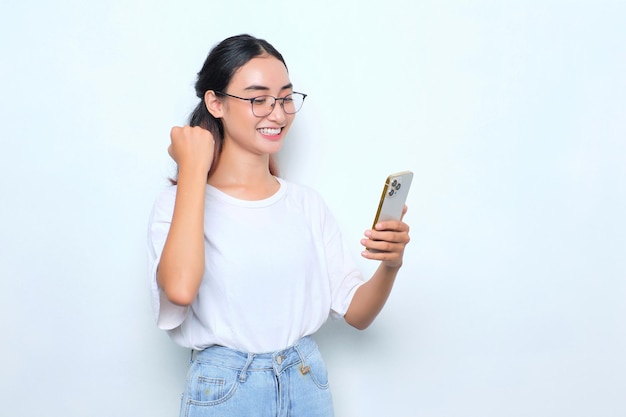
(260,100)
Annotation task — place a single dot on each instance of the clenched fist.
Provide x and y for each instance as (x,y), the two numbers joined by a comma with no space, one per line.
(192,148)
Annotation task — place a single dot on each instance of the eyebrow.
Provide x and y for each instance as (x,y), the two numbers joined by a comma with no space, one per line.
(263,88)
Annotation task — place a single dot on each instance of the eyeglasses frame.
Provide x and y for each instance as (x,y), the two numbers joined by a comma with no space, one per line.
(282,101)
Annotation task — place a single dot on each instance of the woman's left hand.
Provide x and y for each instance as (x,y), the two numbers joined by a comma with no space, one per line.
(386,242)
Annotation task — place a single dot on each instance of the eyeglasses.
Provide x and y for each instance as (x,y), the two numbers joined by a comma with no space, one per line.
(264,105)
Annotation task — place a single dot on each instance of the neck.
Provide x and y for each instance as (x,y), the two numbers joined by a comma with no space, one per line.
(246,177)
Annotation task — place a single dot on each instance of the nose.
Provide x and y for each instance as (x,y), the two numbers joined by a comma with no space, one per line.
(277,115)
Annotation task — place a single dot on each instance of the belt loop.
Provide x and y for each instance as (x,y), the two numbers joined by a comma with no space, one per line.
(243,374)
(304,368)
(191,357)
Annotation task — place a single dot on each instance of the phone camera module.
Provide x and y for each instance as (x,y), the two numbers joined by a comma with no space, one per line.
(394,187)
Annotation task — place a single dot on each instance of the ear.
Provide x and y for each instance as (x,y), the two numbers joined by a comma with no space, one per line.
(214,105)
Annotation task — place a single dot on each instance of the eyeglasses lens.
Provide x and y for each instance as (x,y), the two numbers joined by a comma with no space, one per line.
(262,106)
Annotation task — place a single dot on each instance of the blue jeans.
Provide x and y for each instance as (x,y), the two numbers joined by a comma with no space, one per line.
(288,383)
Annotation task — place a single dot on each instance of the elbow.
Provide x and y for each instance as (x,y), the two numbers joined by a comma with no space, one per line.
(359,324)
(178,290)
(179,296)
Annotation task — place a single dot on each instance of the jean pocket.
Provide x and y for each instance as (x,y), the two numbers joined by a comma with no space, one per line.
(316,368)
(211,385)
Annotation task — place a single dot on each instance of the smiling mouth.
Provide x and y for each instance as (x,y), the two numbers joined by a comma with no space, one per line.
(270,131)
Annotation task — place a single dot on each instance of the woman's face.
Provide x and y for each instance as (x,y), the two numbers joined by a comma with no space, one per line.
(260,135)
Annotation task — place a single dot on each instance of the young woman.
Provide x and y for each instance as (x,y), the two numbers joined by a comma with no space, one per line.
(244,265)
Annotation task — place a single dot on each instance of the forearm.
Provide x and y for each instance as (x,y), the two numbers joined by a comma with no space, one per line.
(371,297)
(182,261)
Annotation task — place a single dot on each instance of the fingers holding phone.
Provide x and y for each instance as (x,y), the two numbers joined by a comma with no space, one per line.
(389,234)
(386,242)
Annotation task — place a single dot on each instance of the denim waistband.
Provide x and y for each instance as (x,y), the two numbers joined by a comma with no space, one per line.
(249,362)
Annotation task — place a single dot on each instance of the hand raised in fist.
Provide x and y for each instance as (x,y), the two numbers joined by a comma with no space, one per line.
(192,148)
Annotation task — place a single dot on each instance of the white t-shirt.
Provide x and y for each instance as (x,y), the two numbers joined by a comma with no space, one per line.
(274,271)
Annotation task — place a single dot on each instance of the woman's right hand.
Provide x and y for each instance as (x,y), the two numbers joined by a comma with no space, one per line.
(192,148)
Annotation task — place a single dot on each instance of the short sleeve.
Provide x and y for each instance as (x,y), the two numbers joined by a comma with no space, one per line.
(345,276)
(167,314)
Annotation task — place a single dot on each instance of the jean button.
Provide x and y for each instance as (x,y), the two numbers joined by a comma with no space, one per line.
(279,359)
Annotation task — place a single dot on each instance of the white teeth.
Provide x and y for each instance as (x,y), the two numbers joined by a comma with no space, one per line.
(269,131)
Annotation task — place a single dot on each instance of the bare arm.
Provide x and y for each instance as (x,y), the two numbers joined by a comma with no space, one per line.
(182,262)
(390,237)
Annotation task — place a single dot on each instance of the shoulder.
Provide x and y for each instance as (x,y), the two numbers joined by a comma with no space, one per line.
(308,202)
(166,194)
(302,193)
(164,202)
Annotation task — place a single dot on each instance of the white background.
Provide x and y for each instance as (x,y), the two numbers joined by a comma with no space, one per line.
(511,114)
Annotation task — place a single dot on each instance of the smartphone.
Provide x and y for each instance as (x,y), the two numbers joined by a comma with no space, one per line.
(394,196)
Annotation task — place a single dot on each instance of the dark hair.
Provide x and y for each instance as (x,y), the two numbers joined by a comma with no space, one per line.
(216,73)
